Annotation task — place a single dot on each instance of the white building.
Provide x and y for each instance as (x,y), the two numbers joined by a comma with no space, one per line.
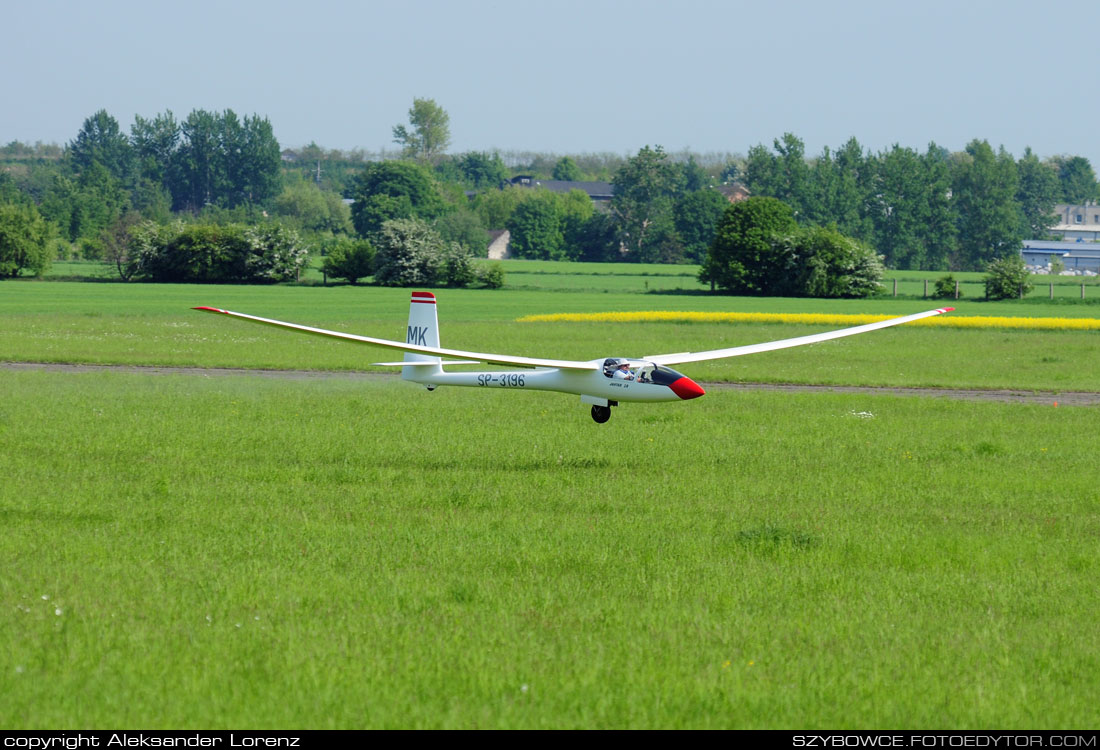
(1080,222)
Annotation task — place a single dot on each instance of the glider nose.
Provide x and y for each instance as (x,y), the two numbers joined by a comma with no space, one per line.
(686,388)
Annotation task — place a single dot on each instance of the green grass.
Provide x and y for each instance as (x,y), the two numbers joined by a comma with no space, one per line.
(239,552)
(153,324)
(650,278)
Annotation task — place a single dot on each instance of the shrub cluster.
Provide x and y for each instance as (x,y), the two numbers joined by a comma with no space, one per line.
(1007,278)
(214,254)
(759,249)
(411,253)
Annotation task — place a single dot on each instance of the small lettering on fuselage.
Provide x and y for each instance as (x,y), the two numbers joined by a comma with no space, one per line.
(417,335)
(503,380)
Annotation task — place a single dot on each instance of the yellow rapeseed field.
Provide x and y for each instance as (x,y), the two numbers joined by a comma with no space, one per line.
(950,321)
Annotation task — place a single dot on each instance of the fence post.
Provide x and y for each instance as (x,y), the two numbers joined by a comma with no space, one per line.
(956,290)
(926,288)
(1052,291)
(895,287)
(1082,291)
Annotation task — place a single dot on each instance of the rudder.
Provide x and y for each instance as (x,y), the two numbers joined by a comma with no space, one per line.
(423,330)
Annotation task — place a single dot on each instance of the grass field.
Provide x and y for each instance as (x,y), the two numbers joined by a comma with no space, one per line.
(643,278)
(243,552)
(153,324)
(240,552)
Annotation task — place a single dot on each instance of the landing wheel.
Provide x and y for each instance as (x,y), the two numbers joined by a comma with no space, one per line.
(601,413)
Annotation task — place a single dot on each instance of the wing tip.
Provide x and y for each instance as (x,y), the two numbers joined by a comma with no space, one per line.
(945,310)
(211,309)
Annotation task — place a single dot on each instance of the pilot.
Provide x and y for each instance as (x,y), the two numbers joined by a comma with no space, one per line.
(622,372)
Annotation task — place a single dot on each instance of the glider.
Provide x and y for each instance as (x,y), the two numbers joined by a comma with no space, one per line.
(602,383)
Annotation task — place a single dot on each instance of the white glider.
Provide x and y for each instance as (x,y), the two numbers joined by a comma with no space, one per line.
(603,382)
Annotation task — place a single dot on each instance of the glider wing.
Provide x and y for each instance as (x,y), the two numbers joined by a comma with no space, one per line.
(737,351)
(493,359)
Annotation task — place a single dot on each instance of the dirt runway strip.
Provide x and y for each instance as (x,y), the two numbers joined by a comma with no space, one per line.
(1064,398)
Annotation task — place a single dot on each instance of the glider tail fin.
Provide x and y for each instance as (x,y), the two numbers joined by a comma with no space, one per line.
(424,331)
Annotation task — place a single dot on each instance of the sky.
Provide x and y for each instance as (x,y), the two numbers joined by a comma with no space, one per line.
(570,76)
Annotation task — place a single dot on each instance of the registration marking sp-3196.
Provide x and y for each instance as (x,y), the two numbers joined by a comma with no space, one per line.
(501,380)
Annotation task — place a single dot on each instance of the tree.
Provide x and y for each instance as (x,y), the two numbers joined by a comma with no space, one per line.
(694,176)
(1007,278)
(155,142)
(696,216)
(195,164)
(101,142)
(349,259)
(84,208)
(430,135)
(482,170)
(312,209)
(464,227)
(536,227)
(645,187)
(900,207)
(743,258)
(576,211)
(393,190)
(24,240)
(984,187)
(495,207)
(566,170)
(1076,178)
(785,176)
(1037,192)
(119,246)
(257,175)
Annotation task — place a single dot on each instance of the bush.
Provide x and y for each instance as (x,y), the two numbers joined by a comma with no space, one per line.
(408,254)
(833,265)
(1007,278)
(945,288)
(411,253)
(212,253)
(457,268)
(491,275)
(24,240)
(758,249)
(348,259)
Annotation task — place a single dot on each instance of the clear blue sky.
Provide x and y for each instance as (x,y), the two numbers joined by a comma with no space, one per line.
(570,76)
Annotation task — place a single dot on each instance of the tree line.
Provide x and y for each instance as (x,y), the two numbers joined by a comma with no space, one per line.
(101,196)
(932,210)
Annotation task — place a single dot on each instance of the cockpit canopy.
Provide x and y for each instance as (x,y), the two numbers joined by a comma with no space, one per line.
(640,371)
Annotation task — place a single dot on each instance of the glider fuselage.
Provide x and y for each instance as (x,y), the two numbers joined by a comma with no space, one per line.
(593,383)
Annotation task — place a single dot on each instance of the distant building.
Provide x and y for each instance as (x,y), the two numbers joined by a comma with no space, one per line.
(599,192)
(289,156)
(1078,257)
(1081,222)
(498,244)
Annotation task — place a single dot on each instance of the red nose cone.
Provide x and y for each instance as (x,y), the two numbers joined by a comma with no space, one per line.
(687,388)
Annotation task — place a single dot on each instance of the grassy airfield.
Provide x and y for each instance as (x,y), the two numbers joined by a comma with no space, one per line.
(245,552)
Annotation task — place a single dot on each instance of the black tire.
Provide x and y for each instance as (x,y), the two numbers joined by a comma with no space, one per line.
(601,414)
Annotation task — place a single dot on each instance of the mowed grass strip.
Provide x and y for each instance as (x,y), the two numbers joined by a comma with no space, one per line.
(207,553)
